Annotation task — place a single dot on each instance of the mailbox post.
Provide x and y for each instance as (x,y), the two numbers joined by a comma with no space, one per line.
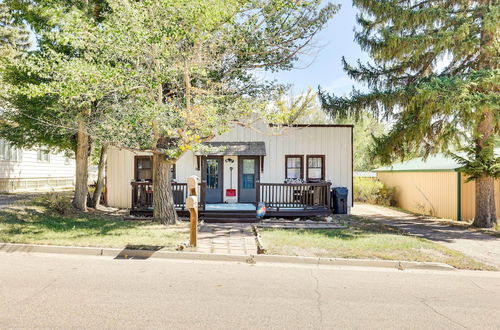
(192,206)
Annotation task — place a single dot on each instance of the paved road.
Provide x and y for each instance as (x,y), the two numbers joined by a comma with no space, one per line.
(478,245)
(54,291)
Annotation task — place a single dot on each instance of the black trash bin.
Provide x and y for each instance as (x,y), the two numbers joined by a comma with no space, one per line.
(339,200)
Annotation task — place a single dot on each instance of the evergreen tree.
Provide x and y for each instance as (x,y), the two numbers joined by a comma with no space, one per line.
(14,40)
(434,73)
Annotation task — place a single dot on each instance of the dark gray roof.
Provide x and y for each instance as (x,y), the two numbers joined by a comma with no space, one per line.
(232,149)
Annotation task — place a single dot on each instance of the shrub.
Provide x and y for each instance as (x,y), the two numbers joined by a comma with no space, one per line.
(368,190)
(59,203)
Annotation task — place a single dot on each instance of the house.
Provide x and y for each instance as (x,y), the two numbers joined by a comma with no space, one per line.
(292,172)
(37,169)
(434,186)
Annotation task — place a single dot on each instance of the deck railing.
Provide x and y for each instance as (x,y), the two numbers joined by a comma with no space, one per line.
(142,195)
(294,195)
(274,195)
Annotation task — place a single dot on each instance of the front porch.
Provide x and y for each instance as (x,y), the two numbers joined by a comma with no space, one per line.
(281,200)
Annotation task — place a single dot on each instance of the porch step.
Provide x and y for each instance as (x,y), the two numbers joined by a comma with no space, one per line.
(239,214)
(231,220)
(225,217)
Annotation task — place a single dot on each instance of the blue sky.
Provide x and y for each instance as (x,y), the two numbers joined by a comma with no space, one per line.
(322,66)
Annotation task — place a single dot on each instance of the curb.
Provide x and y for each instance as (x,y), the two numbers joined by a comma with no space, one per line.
(251,259)
(395,264)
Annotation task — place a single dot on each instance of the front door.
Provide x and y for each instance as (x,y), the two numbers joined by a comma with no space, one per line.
(248,169)
(212,175)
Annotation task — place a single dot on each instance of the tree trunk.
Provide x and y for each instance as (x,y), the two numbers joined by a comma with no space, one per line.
(96,199)
(163,201)
(82,164)
(485,203)
(485,216)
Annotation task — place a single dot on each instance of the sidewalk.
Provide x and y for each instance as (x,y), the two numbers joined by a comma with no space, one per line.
(226,239)
(480,246)
(7,200)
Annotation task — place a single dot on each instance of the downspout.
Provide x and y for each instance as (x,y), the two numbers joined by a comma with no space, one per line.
(459,196)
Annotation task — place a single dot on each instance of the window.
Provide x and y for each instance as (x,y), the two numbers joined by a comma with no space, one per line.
(248,173)
(315,167)
(294,167)
(173,173)
(43,156)
(8,152)
(144,168)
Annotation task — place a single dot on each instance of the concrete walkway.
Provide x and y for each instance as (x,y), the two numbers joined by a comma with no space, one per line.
(478,245)
(227,239)
(8,200)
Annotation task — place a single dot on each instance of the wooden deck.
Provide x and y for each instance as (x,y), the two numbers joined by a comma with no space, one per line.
(281,200)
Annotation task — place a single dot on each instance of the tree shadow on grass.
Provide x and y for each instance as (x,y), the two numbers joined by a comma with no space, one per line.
(357,228)
(32,221)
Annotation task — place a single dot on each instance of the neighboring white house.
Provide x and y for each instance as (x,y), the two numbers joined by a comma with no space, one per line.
(243,157)
(38,169)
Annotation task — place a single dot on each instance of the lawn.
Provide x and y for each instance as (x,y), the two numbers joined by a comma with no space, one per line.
(34,222)
(363,239)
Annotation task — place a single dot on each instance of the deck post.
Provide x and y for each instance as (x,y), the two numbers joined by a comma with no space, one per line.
(192,206)
(257,193)
(203,195)
(327,197)
(133,195)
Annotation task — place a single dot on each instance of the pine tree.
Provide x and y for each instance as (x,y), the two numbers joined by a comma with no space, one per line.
(14,40)
(13,37)
(434,73)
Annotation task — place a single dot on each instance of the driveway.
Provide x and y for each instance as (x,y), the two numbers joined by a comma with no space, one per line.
(478,245)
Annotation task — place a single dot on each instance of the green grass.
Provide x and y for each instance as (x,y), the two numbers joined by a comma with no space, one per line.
(33,222)
(363,239)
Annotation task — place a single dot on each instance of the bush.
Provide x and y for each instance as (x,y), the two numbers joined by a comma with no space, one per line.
(59,203)
(372,191)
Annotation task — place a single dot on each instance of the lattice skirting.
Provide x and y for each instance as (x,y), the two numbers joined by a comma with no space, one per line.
(34,184)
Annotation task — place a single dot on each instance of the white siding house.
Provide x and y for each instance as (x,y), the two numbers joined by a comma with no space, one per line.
(38,169)
(314,153)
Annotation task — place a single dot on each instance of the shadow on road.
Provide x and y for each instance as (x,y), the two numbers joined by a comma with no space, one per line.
(140,252)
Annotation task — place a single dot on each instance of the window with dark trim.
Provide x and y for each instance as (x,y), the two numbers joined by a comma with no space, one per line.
(294,166)
(315,167)
(173,173)
(144,168)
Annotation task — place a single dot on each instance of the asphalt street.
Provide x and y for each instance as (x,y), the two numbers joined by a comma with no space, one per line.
(57,291)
